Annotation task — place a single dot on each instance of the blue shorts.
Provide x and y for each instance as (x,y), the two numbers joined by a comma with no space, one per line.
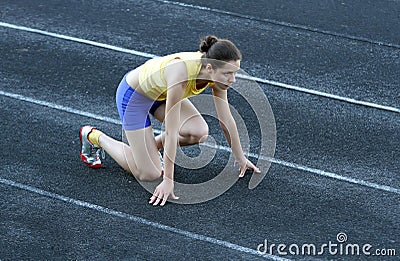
(134,107)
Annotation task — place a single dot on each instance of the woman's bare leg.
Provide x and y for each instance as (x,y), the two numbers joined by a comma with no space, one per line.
(145,154)
(193,128)
(140,158)
(119,151)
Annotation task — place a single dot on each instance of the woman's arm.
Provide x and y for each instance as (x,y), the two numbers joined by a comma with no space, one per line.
(229,128)
(176,77)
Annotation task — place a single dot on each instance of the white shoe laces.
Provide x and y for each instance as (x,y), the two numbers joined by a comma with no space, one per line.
(98,151)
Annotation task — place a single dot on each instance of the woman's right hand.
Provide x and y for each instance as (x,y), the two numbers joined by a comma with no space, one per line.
(162,192)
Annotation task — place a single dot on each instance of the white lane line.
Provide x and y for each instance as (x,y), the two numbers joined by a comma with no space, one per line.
(59,107)
(314,171)
(78,40)
(139,220)
(280,23)
(224,148)
(257,79)
(323,94)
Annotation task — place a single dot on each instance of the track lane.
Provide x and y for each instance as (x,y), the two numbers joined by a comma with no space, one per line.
(364,21)
(305,59)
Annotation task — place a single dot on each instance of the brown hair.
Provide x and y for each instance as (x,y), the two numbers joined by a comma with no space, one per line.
(215,49)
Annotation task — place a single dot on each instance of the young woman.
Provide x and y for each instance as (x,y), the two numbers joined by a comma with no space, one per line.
(160,87)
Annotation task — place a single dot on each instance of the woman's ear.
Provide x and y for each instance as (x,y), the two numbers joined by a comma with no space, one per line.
(209,67)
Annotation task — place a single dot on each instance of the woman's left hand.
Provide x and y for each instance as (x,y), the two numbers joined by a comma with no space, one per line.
(246,164)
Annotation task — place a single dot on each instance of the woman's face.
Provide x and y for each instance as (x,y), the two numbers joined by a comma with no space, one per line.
(223,77)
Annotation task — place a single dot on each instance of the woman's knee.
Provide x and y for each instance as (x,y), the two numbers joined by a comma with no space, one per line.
(203,134)
(147,175)
(143,171)
(199,134)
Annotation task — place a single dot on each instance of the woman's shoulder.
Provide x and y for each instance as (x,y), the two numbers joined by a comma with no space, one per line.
(184,56)
(176,70)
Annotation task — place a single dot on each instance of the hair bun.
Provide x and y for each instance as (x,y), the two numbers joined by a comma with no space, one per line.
(207,42)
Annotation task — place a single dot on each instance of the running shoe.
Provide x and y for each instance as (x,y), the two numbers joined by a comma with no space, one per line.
(90,153)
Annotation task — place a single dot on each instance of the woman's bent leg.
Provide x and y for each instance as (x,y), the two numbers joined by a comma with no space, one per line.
(140,158)
(193,128)
(119,151)
(144,151)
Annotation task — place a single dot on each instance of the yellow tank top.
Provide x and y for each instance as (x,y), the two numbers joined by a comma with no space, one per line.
(152,80)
